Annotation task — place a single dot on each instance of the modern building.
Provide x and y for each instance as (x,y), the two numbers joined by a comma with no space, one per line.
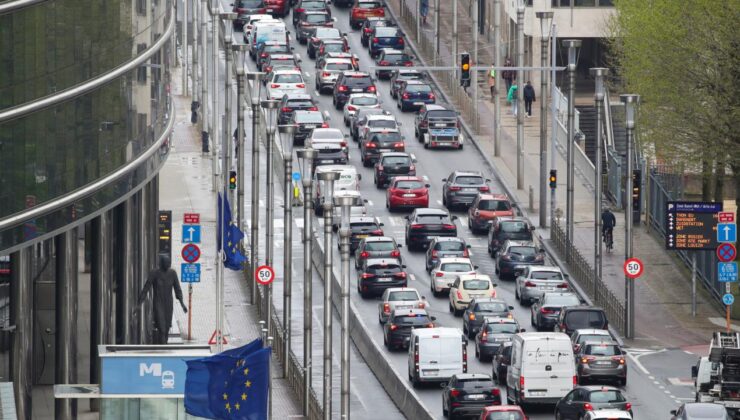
(85,118)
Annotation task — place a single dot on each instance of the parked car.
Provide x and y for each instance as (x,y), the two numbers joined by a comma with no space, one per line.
(574,318)
(397,330)
(361,227)
(583,399)
(369,24)
(445,246)
(327,75)
(515,256)
(436,354)
(545,310)
(468,287)
(292,102)
(363,9)
(361,118)
(485,208)
(350,82)
(423,224)
(503,229)
(461,187)
(493,334)
(374,247)
(284,82)
(601,360)
(389,57)
(399,298)
(407,192)
(359,101)
(467,394)
(377,274)
(481,308)
(446,271)
(500,362)
(305,122)
(385,37)
(412,94)
(391,165)
(379,142)
(700,411)
(502,412)
(400,75)
(309,21)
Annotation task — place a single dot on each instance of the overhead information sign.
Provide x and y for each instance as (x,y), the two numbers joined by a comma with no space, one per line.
(691,225)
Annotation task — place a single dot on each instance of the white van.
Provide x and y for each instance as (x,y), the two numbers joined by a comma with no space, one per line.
(542,368)
(267,31)
(349,180)
(435,354)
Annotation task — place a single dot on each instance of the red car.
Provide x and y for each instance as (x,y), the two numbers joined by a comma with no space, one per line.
(487,207)
(407,192)
(364,9)
(277,8)
(502,412)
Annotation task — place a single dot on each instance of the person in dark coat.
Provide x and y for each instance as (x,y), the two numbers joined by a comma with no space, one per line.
(508,75)
(528,98)
(163,280)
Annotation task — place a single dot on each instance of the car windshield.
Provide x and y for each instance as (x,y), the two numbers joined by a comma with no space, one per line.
(385,137)
(405,295)
(299,103)
(526,251)
(365,100)
(502,328)
(490,307)
(397,160)
(317,18)
(476,284)
(338,66)
(432,219)
(409,185)
(561,300)
(603,349)
(327,33)
(275,48)
(546,275)
(313,5)
(309,117)
(585,319)
(380,246)
(456,267)
(605,396)
(327,135)
(469,180)
(513,227)
(381,124)
(419,89)
(369,5)
(412,319)
(494,205)
(592,337)
(288,78)
(385,31)
(396,57)
(474,383)
(449,246)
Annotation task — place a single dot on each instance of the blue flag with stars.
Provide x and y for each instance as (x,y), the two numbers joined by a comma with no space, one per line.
(232,236)
(229,385)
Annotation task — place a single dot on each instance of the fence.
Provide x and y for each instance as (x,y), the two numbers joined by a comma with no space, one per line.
(586,278)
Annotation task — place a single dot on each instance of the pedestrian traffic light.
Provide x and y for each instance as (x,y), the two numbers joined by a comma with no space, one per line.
(232,180)
(553,178)
(636,189)
(465,69)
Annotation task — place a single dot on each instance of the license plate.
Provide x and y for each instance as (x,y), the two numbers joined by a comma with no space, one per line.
(537,393)
(384,150)
(384,279)
(418,103)
(403,307)
(470,189)
(409,195)
(327,161)
(361,236)
(439,125)
(602,363)
(476,397)
(270,10)
(356,90)
(548,288)
(431,372)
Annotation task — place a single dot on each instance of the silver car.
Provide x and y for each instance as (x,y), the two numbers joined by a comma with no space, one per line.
(378,123)
(446,271)
(399,298)
(535,281)
(359,101)
(327,76)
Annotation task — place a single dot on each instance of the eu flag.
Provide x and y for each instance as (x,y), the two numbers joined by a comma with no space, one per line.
(231,234)
(229,385)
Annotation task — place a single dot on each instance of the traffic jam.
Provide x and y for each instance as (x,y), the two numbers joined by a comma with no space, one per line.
(466,302)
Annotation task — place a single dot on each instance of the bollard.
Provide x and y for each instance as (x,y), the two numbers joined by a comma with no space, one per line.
(204,141)
(531,199)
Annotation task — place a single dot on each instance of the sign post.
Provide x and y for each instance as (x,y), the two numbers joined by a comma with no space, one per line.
(633,268)
(726,254)
(190,270)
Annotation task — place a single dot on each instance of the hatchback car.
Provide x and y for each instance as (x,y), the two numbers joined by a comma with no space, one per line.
(369,24)
(609,414)
(378,142)
(400,75)
(361,118)
(294,102)
(330,145)
(374,247)
(574,318)
(700,411)
(301,6)
(327,46)
(305,122)
(503,229)
(388,57)
(502,412)
(350,82)
(517,255)
(589,334)
(407,192)
(501,361)
(584,399)
(361,227)
(308,21)
(445,247)
(493,334)
(377,274)
(264,50)
(467,394)
(245,8)
(363,9)
(535,281)
(424,224)
(400,298)
(392,165)
(445,272)
(320,60)
(397,329)
(412,94)
(278,8)
(327,75)
(319,34)
(375,122)
(482,308)
(383,37)
(359,101)
(284,82)
(545,310)
(275,61)
(485,208)
(601,360)
(468,287)
(461,187)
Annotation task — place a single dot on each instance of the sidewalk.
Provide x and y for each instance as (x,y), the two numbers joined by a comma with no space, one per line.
(185,186)
(663,312)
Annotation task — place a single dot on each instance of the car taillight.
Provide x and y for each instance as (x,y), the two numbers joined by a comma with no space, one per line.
(586,359)
(484,188)
(313,108)
(401,275)
(400,40)
(496,392)
(521,382)
(299,10)
(367,275)
(619,359)
(375,39)
(506,257)
(563,286)
(351,108)
(628,406)
(263,55)
(405,96)
(448,227)
(484,337)
(439,274)
(268,69)
(471,316)
(454,188)
(370,145)
(384,63)
(387,308)
(421,305)
(274,85)
(342,88)
(367,30)
(379,232)
(431,96)
(394,327)
(416,227)
(410,64)
(454,393)
(371,89)
(529,284)
(324,125)
(546,311)
(466,254)
(435,253)
(325,74)
(588,407)
(364,254)
(412,168)
(465,357)
(399,145)
(539,257)
(395,253)
(300,85)
(459,295)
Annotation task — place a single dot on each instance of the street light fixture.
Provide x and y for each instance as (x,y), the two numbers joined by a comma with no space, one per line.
(254,93)
(286,145)
(572,45)
(241,81)
(228,19)
(270,107)
(346,204)
(630,102)
(520,96)
(598,73)
(545,25)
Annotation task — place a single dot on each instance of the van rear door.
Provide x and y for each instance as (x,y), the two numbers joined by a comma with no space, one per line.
(548,369)
(440,356)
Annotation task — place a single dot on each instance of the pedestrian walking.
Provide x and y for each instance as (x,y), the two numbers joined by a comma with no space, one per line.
(511,97)
(492,80)
(424,10)
(508,75)
(528,98)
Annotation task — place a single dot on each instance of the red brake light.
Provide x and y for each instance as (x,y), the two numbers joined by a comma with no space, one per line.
(386,308)
(575,380)
(299,10)
(313,108)
(628,406)
(367,275)
(416,227)
(435,253)
(364,254)
(529,284)
(370,145)
(484,188)
(619,359)
(588,407)
(384,63)
(453,188)
(395,253)
(286,109)
(325,74)
(413,168)
(394,327)
(546,311)
(300,85)
(495,392)
(380,233)
(466,254)
(324,125)
(268,69)
(439,274)
(405,96)
(400,40)
(472,316)
(521,382)
(454,393)
(459,295)
(342,88)
(399,145)
(401,275)
(448,227)
(484,337)
(263,55)
(375,39)
(351,108)
(274,85)
(367,30)
(431,96)
(371,89)
(563,286)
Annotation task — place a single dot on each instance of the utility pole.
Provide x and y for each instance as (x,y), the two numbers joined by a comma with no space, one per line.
(286,143)
(214,92)
(185,52)
(553,128)
(545,19)
(195,69)
(254,93)
(520,96)
(241,82)
(598,73)
(345,203)
(497,90)
(630,102)
(572,45)
(455,52)
(270,106)
(476,11)
(228,19)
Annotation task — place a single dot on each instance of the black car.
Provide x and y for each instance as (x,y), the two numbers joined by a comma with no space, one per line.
(504,229)
(493,334)
(292,102)
(481,308)
(377,274)
(514,256)
(280,60)
(369,24)
(391,165)
(461,187)
(500,362)
(545,311)
(303,6)
(309,21)
(400,75)
(397,329)
(468,393)
(393,58)
(266,48)
(445,247)
(321,33)
(424,224)
(350,82)
(305,122)
(244,8)
(361,227)
(445,116)
(583,399)
(581,317)
(380,142)
(374,247)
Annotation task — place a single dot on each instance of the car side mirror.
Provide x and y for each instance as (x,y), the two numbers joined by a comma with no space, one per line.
(576,347)
(694,371)
(400,245)
(406,217)
(359,177)
(495,284)
(333,19)
(488,180)
(531,228)
(433,318)
(364,200)
(381,224)
(403,266)
(292,48)
(444,179)
(536,299)
(476,267)
(674,412)
(400,124)
(468,246)
(541,250)
(453,218)
(443,385)
(521,330)
(427,185)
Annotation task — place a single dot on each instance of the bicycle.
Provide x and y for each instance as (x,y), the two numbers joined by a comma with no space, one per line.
(608,239)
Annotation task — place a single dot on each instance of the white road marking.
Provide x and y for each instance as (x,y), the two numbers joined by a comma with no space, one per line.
(369,202)
(636,361)
(439,202)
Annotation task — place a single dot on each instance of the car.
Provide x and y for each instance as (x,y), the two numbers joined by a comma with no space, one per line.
(303,6)
(374,247)
(445,247)
(468,287)
(412,94)
(357,208)
(350,82)
(389,57)
(368,25)
(292,102)
(361,227)
(424,224)
(397,329)
(245,8)
(363,9)
(330,145)
(307,24)
(305,122)
(700,411)
(375,122)
(377,274)
(270,47)
(441,115)
(320,59)
(583,399)
(361,118)
(481,308)
(445,272)
(574,318)
(500,362)
(319,34)
(545,310)
(407,192)
(461,187)
(278,8)
(385,37)
(327,46)
(485,208)
(248,22)
(502,412)
(400,75)
(534,281)
(391,165)
(601,360)
(399,298)
(275,61)
(326,76)
(609,414)
(468,393)
(515,256)
(493,334)
(589,334)
(285,81)
(266,31)
(503,229)
(359,101)
(379,142)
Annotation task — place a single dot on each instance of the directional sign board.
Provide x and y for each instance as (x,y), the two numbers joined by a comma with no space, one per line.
(728,299)
(727,272)
(691,225)
(191,234)
(726,232)
(726,252)
(191,253)
(726,217)
(633,268)
(191,218)
(296,176)
(190,273)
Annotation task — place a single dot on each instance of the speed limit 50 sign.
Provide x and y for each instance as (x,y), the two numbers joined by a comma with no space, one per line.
(633,268)
(264,275)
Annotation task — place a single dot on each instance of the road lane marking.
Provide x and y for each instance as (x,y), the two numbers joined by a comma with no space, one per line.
(636,361)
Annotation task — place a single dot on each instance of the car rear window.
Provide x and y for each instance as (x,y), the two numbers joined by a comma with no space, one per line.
(474,383)
(405,295)
(418,88)
(490,307)
(409,185)
(357,81)
(592,337)
(309,117)
(505,415)
(433,219)
(380,246)
(385,137)
(394,57)
(502,328)
(369,5)
(317,18)
(606,396)
(456,267)
(494,205)
(513,227)
(334,47)
(526,251)
(362,225)
(313,5)
(412,319)
(469,180)
(249,4)
(603,349)
(397,160)
(275,48)
(561,300)
(584,319)
(327,33)
(364,100)
(381,124)
(476,284)
(300,103)
(386,31)
(384,268)
(442,113)
(288,78)
(449,246)
(546,275)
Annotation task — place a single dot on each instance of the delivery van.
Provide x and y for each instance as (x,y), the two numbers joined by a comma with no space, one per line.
(435,354)
(349,179)
(267,31)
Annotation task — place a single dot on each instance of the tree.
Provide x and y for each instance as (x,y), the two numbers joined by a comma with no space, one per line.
(683,58)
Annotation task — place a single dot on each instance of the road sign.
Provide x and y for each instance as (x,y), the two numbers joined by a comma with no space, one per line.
(691,224)
(726,252)
(728,299)
(296,176)
(265,275)
(190,253)
(191,234)
(633,268)
(726,232)
(727,272)
(190,273)
(726,217)
(191,218)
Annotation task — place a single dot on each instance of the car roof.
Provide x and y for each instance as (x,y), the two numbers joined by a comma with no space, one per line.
(402,289)
(408,178)
(355,73)
(337,54)
(398,154)
(499,320)
(431,211)
(315,12)
(448,239)
(416,82)
(363,95)
(270,43)
(592,331)
(335,168)
(428,332)
(455,260)
(333,131)
(488,299)
(558,294)
(519,243)
(288,71)
(609,413)
(583,308)
(306,111)
(379,239)
(362,219)
(436,107)
(393,50)
(335,60)
(592,388)
(533,268)
(468,173)
(602,342)
(381,116)
(297,95)
(281,56)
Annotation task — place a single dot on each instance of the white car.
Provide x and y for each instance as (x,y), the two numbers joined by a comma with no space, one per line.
(285,81)
(327,76)
(357,101)
(536,280)
(399,298)
(446,271)
(376,122)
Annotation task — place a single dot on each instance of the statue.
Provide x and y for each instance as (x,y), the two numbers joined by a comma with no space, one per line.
(163,280)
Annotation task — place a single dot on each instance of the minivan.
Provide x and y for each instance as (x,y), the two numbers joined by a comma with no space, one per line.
(579,317)
(349,180)
(542,369)
(435,354)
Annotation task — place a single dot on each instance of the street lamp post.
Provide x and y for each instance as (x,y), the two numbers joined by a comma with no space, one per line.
(228,19)
(520,96)
(572,45)
(345,203)
(327,178)
(203,83)
(270,108)
(215,114)
(241,81)
(497,81)
(254,93)
(630,104)
(545,20)
(286,145)
(598,73)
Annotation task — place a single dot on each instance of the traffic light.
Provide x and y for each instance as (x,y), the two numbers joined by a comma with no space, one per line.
(465,69)
(232,180)
(553,178)
(636,189)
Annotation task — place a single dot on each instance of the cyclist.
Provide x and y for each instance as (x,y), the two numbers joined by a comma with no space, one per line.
(608,221)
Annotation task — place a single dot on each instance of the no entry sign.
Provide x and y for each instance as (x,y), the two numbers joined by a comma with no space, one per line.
(265,275)
(633,268)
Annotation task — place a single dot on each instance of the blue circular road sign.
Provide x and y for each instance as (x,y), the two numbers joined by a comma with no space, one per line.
(728,299)
(296,176)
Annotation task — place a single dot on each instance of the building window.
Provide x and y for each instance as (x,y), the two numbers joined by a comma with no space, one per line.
(583,3)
